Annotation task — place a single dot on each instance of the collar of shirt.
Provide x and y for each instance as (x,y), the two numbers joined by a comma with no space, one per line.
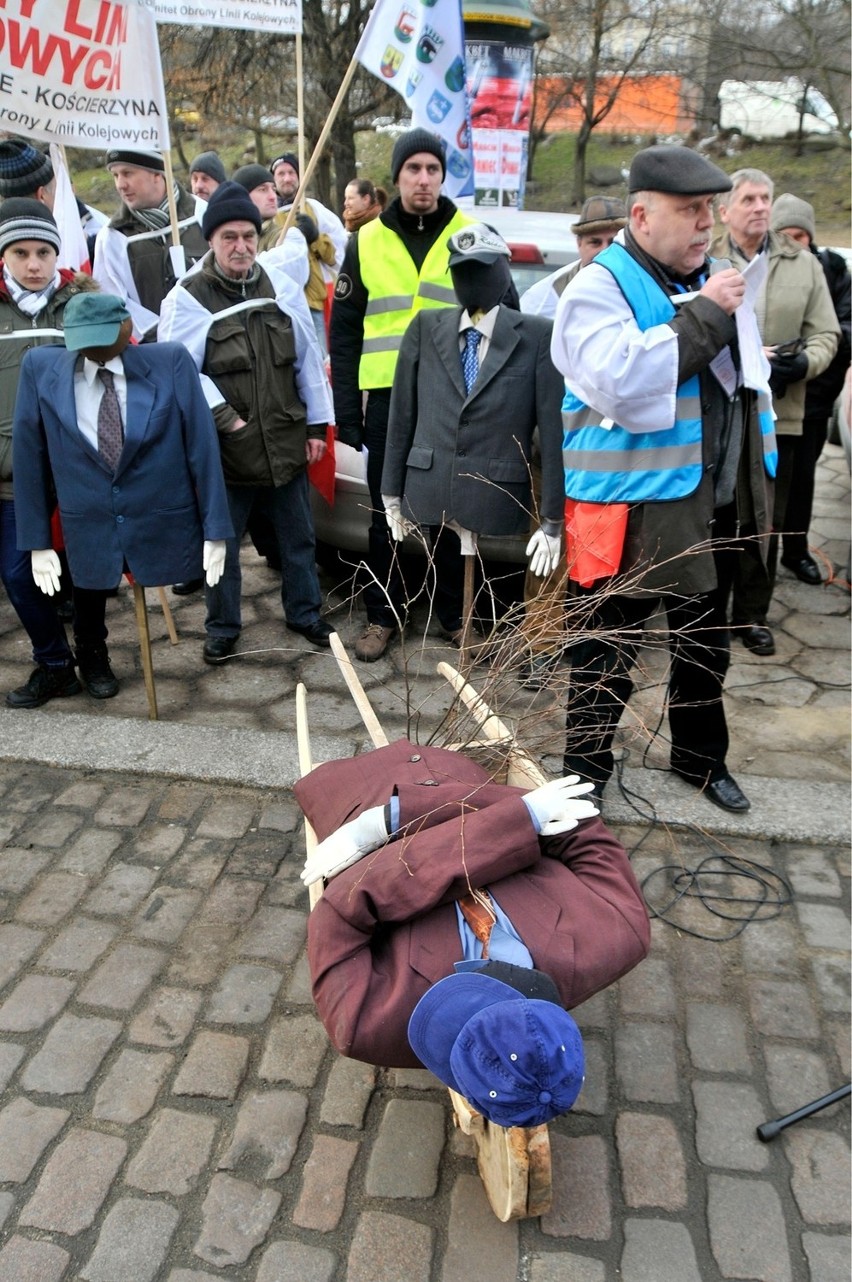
(90,369)
(484,323)
(88,391)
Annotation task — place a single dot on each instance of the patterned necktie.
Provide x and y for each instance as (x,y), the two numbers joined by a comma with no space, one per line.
(470,357)
(110,435)
(479,915)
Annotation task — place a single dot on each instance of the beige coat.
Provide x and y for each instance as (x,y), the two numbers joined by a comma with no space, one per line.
(798,305)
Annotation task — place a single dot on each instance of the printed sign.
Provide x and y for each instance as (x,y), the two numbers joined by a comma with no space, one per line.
(86,73)
(281,16)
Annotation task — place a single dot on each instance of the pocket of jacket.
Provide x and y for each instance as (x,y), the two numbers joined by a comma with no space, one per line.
(513,470)
(279,335)
(419,456)
(242,453)
(227,349)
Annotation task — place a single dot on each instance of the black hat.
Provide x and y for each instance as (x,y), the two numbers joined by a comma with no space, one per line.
(677,170)
(286,158)
(140,159)
(23,169)
(251,176)
(23,219)
(208,163)
(411,143)
(229,203)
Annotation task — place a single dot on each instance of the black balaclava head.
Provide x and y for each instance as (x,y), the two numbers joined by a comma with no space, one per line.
(480,286)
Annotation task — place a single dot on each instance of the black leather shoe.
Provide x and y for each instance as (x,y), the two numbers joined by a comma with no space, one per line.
(44,684)
(806,570)
(757,638)
(217,649)
(187,589)
(96,674)
(727,793)
(317,633)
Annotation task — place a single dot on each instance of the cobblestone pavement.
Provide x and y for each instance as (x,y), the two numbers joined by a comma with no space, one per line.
(170,1109)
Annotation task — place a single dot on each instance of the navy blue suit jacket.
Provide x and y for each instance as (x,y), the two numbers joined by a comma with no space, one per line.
(167,494)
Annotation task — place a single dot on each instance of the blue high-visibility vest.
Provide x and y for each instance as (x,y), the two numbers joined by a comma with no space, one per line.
(612,465)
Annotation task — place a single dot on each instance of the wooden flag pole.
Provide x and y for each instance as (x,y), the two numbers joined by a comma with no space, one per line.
(300,116)
(307,174)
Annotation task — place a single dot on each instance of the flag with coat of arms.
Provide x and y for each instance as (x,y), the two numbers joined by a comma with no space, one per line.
(417,47)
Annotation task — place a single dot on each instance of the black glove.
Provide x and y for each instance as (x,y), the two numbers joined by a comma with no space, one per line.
(786,370)
(307,227)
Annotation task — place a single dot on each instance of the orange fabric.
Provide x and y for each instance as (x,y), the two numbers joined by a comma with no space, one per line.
(478,916)
(594,539)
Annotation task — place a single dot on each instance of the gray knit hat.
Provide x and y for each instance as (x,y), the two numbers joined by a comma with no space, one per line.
(677,170)
(23,169)
(409,144)
(208,163)
(790,211)
(23,219)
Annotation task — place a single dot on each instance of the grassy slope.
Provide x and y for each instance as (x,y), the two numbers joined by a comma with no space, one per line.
(821,177)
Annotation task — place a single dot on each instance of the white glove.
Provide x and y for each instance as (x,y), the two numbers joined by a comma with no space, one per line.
(543,552)
(556,805)
(213,560)
(46,570)
(346,846)
(397,523)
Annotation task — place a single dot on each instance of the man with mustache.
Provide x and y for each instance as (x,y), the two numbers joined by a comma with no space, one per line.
(669,429)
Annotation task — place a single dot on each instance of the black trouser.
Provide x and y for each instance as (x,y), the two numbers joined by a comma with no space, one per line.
(384,595)
(601,683)
(90,630)
(800,500)
(754,582)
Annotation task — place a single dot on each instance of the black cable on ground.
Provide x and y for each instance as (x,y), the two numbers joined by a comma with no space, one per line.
(765,893)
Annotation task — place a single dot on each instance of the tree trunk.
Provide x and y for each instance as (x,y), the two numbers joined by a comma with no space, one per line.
(580,163)
(343,153)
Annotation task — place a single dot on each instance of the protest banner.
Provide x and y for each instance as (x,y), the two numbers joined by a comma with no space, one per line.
(284,17)
(85,73)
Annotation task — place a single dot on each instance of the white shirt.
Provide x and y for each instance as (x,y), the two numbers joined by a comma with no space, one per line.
(89,390)
(485,324)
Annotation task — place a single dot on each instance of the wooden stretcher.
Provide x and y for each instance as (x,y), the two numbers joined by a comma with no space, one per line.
(514,1162)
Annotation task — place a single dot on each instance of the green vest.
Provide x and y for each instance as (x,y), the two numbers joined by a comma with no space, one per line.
(396,292)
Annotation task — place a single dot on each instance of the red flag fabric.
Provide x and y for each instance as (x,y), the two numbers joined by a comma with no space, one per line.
(321,474)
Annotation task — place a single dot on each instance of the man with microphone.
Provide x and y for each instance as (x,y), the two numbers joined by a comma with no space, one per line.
(666,414)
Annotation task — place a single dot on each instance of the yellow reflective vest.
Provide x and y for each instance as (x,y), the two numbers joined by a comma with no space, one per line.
(395,292)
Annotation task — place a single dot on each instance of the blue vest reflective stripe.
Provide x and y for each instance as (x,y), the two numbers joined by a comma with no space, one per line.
(608,464)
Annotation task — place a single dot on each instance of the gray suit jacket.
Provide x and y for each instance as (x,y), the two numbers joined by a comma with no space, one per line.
(466,457)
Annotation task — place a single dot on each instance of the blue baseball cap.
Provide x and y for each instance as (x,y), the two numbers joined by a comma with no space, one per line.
(518,1060)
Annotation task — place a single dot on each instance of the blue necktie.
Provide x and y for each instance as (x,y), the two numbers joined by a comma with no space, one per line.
(470,357)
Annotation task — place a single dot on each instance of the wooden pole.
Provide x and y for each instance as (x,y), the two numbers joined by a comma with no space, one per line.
(368,716)
(307,174)
(300,116)
(176,252)
(145,647)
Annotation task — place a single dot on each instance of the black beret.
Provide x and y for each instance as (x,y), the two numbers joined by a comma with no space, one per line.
(678,170)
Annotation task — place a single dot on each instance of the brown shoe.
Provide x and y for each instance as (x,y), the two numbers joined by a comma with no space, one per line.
(372,642)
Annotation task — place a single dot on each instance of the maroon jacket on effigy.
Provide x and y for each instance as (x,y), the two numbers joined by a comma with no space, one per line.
(385,929)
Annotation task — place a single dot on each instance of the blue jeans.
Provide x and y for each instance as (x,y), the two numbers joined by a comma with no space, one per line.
(36,611)
(288,508)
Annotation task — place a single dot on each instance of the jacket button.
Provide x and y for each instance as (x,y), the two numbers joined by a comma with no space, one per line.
(429,783)
(461,454)
(415,758)
(116,489)
(120,520)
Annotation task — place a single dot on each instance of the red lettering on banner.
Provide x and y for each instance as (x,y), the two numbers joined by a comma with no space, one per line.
(101,68)
(71,25)
(27,7)
(111,28)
